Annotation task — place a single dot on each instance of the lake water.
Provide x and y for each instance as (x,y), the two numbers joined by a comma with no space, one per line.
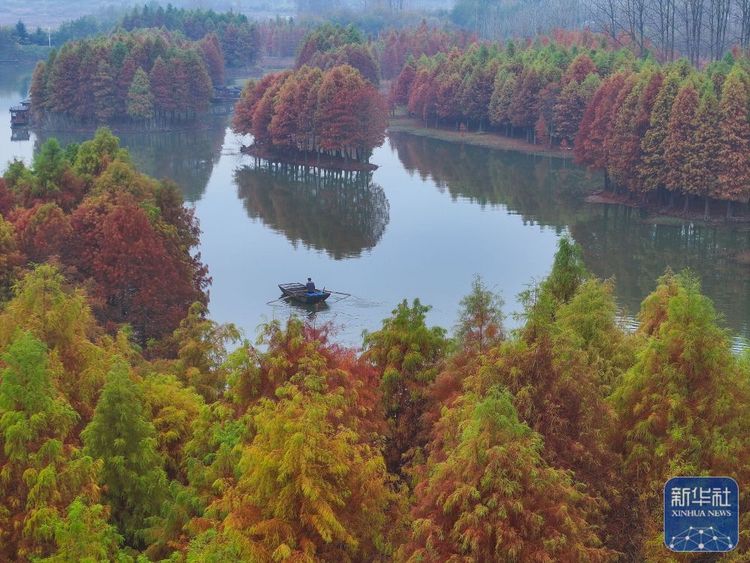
(430,217)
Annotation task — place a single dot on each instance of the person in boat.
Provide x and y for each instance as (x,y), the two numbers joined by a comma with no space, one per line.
(310,286)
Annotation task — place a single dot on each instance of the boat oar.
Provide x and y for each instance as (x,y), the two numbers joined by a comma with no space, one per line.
(337,292)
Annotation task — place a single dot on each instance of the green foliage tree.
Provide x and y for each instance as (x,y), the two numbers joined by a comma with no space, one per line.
(319,491)
(85,535)
(480,321)
(406,354)
(41,469)
(121,435)
(490,496)
(49,165)
(682,406)
(140,101)
(202,351)
(60,317)
(172,408)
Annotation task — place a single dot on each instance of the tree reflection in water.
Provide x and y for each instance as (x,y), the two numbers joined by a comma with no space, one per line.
(617,241)
(543,190)
(187,156)
(341,213)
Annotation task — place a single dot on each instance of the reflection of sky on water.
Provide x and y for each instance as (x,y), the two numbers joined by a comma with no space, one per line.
(431,248)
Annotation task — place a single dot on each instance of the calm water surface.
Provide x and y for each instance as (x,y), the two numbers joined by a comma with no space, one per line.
(432,215)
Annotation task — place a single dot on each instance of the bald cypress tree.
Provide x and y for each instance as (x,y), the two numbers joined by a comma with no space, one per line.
(105,103)
(41,470)
(624,161)
(652,169)
(125,440)
(683,406)
(707,147)
(490,496)
(405,352)
(560,367)
(679,156)
(734,162)
(86,535)
(140,102)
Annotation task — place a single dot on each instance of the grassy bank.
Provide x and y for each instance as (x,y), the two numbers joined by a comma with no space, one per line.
(491,140)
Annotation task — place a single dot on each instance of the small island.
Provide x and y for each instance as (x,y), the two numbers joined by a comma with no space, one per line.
(311,117)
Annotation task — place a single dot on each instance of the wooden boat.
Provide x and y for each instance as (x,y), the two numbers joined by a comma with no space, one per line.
(298,292)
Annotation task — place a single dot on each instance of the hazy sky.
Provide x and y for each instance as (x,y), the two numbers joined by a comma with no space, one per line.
(53,12)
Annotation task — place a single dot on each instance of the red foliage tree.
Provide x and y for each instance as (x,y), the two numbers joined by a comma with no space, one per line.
(337,100)
(265,109)
(213,57)
(402,85)
(135,277)
(590,142)
(734,167)
(42,231)
(283,125)
(579,69)
(161,86)
(242,121)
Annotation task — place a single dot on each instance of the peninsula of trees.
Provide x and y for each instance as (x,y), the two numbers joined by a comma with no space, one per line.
(147,77)
(660,132)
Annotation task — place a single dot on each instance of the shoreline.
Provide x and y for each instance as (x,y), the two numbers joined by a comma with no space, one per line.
(413,126)
(658,213)
(493,141)
(203,121)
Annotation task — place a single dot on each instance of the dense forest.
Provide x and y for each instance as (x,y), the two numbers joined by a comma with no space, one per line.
(124,237)
(142,76)
(238,37)
(538,90)
(123,439)
(667,131)
(134,428)
(334,113)
(333,45)
(330,45)
(658,130)
(397,45)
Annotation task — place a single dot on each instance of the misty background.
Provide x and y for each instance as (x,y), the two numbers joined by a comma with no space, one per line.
(701,30)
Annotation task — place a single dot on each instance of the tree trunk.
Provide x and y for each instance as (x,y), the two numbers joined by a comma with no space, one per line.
(705,208)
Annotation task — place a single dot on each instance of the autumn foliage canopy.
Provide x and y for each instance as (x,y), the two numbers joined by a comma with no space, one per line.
(335,112)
